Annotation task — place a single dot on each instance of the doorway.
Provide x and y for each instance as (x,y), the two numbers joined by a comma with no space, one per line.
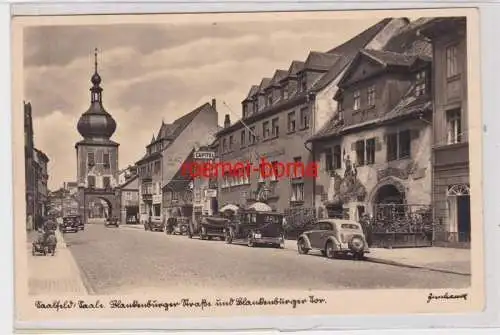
(463,216)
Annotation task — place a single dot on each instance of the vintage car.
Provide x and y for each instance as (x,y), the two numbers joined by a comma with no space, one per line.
(155,224)
(209,227)
(71,223)
(334,238)
(177,226)
(112,221)
(255,228)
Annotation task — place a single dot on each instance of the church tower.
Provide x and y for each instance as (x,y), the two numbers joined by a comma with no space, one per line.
(97,154)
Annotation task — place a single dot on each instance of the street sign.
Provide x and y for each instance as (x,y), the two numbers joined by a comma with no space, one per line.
(210,193)
(204,155)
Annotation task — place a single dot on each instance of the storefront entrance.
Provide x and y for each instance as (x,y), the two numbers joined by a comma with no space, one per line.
(459,213)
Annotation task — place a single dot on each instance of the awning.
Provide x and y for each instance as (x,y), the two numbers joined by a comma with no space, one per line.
(229,207)
(260,207)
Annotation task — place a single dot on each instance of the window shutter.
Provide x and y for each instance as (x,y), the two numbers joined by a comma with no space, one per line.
(378,144)
(353,146)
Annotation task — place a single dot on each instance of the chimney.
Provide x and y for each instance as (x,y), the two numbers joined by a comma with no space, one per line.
(214,104)
(227,121)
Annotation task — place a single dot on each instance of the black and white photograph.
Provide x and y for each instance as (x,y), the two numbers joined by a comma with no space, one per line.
(247,163)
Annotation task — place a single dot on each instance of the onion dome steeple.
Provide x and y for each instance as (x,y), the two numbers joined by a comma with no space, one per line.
(96,123)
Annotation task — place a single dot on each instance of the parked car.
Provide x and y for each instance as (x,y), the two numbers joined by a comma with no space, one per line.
(155,224)
(112,221)
(334,238)
(70,223)
(256,228)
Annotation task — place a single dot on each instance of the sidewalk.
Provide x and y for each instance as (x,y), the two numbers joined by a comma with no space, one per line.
(448,260)
(58,274)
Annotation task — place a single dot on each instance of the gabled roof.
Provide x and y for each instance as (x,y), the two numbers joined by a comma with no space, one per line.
(388,58)
(130,180)
(264,84)
(153,139)
(295,68)
(408,106)
(407,39)
(181,179)
(278,76)
(384,58)
(320,61)
(347,52)
(253,90)
(173,130)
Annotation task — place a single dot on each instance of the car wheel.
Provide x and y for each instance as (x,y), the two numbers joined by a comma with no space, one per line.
(330,250)
(301,247)
(250,243)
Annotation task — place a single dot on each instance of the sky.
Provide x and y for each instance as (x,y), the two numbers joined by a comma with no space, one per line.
(155,72)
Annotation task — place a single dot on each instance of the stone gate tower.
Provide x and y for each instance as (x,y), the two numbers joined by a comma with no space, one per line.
(97,154)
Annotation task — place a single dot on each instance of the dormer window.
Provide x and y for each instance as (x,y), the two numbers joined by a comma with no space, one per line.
(255,106)
(284,91)
(371,96)
(420,87)
(303,83)
(270,99)
(340,109)
(357,101)
(245,109)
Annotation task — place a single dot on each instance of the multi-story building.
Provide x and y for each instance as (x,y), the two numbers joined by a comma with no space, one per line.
(375,152)
(450,187)
(29,167)
(125,174)
(166,153)
(129,200)
(40,162)
(281,113)
(97,156)
(36,174)
(71,187)
(205,189)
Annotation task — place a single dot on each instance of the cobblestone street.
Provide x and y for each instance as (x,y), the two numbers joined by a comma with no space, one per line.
(127,260)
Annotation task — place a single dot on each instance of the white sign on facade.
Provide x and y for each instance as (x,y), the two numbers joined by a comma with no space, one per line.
(204,155)
(157,199)
(210,193)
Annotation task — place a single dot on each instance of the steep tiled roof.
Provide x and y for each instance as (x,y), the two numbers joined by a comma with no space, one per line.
(264,84)
(180,181)
(295,67)
(171,131)
(347,51)
(253,90)
(407,106)
(388,58)
(278,76)
(407,40)
(321,61)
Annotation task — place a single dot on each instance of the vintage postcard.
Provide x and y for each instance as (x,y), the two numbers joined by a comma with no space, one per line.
(252,164)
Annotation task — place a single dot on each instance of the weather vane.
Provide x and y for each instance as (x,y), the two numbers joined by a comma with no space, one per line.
(95,59)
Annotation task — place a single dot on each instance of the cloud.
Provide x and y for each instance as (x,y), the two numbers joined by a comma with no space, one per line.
(156,72)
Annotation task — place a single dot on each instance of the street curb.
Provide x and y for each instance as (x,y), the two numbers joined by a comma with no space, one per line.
(394,263)
(80,272)
(133,226)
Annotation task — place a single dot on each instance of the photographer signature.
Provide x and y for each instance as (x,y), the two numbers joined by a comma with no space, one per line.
(446,296)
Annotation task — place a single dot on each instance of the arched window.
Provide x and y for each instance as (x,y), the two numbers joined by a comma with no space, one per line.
(458,190)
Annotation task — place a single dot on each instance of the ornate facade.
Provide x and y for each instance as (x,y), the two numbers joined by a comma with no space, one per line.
(281,113)
(375,152)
